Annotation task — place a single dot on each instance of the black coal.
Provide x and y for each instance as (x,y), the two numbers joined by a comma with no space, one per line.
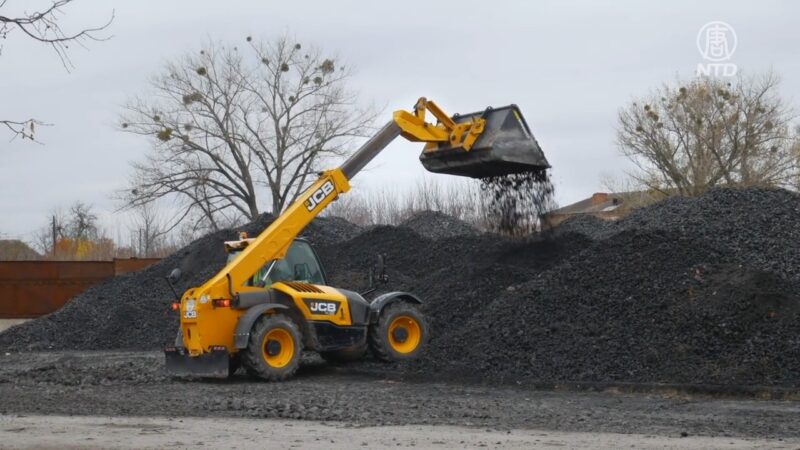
(517,201)
(700,290)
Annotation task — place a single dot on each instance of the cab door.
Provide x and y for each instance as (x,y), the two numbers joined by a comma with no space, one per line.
(300,264)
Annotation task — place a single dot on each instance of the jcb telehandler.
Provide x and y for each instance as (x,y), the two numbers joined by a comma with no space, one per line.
(272,300)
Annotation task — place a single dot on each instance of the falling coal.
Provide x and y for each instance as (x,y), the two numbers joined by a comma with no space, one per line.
(517,202)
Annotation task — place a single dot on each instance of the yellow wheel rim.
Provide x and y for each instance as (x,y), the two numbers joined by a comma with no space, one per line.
(405,334)
(282,353)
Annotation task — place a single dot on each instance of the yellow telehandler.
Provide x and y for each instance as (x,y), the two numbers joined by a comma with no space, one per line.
(272,300)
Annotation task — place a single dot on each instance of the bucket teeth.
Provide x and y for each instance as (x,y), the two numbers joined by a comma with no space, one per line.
(506,146)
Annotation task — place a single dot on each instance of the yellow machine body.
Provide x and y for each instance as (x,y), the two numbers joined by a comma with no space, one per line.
(204,325)
(217,329)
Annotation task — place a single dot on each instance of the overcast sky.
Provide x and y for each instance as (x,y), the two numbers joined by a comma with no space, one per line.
(569,65)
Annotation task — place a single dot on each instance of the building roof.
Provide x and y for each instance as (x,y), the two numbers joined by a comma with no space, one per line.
(16,250)
(598,202)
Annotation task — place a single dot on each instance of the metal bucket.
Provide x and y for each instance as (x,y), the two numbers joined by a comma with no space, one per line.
(506,146)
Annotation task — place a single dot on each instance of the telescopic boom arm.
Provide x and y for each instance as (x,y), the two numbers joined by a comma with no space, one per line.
(275,240)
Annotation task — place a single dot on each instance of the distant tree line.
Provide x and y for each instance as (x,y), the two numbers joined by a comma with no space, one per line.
(74,234)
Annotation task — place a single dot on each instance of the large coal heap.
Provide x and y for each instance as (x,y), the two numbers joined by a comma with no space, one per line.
(701,291)
(438,225)
(689,290)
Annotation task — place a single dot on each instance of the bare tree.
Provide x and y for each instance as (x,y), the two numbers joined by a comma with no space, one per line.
(229,126)
(149,231)
(82,223)
(301,114)
(687,138)
(197,152)
(45,237)
(73,234)
(43,26)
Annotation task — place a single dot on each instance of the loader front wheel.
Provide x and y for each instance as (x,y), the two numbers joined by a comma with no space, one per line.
(273,351)
(400,333)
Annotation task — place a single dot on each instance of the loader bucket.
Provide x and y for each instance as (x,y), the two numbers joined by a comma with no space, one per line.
(506,146)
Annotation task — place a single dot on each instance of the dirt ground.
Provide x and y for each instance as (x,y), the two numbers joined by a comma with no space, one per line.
(94,432)
(130,389)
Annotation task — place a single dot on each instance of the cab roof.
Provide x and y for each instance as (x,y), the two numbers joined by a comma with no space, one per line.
(241,244)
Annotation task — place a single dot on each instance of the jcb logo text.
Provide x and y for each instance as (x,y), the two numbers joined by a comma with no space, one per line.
(319,195)
(323,307)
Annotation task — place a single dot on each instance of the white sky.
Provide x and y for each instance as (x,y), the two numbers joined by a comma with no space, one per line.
(569,65)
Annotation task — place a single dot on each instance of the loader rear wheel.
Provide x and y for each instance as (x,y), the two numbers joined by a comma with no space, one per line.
(273,351)
(401,333)
(344,355)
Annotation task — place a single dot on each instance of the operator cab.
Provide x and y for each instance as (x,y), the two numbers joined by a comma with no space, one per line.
(301,263)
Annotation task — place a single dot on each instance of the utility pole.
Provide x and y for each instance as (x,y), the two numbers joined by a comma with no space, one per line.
(55,237)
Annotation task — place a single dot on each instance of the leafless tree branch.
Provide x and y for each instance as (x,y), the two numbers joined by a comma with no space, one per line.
(44,26)
(25,129)
(232,128)
(688,138)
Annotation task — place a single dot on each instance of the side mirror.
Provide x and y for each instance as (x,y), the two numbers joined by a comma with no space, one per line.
(171,279)
(380,268)
(174,275)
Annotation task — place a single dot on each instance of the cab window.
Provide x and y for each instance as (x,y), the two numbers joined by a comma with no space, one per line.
(299,264)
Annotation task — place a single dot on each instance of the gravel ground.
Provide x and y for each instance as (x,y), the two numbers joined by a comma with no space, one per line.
(99,432)
(133,384)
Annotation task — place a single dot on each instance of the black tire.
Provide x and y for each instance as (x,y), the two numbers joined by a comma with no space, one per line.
(257,359)
(344,355)
(384,346)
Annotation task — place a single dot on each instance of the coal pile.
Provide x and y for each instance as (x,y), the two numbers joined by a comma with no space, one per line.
(688,290)
(438,225)
(587,225)
(132,311)
(701,291)
(456,276)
